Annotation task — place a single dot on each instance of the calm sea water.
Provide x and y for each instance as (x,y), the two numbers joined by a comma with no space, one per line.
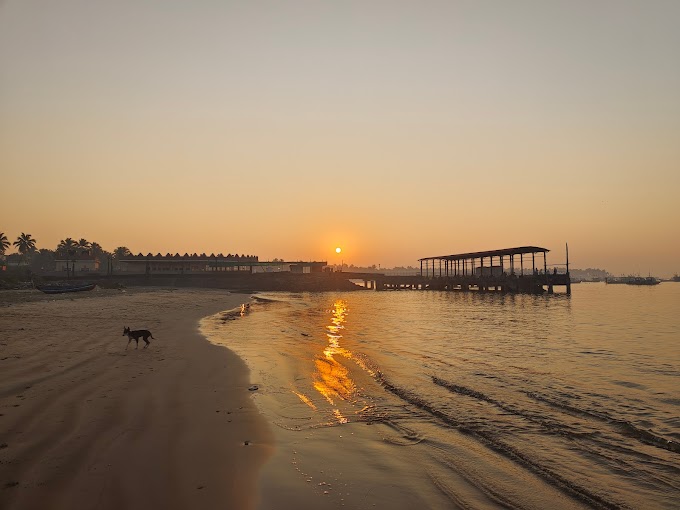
(520,397)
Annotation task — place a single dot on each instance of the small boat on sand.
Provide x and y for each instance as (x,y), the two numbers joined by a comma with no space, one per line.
(68,287)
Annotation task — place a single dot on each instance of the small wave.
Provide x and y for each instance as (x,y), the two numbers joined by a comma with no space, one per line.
(462,390)
(406,436)
(623,427)
(598,353)
(646,436)
(489,440)
(263,300)
(629,384)
(552,427)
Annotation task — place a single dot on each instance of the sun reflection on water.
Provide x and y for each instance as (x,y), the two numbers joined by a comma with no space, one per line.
(331,378)
(305,399)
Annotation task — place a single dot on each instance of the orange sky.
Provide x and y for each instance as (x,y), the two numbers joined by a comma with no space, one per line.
(396,130)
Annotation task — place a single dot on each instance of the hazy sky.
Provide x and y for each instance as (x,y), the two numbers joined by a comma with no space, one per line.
(396,130)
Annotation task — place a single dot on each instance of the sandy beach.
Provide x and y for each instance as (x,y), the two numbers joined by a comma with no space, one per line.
(86,423)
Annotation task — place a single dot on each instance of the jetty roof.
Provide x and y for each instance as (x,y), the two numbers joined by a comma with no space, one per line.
(492,253)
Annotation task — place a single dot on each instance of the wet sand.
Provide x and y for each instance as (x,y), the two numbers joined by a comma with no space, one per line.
(85,423)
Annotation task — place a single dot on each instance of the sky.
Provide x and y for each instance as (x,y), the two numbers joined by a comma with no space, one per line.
(395,130)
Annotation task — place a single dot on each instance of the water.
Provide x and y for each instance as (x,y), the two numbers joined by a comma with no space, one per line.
(504,400)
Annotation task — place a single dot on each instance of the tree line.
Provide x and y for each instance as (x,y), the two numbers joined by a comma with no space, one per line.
(27,251)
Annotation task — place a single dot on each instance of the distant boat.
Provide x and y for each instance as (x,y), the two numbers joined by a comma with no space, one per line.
(676,278)
(68,287)
(633,280)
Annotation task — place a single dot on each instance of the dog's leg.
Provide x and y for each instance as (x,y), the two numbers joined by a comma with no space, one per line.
(128,344)
(147,343)
(137,340)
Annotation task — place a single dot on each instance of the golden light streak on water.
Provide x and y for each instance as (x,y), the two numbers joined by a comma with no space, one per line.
(305,399)
(331,378)
(339,416)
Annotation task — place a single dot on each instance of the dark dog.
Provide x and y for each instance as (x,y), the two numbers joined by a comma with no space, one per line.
(145,334)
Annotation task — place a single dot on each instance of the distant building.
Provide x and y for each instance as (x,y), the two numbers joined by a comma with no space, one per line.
(77,263)
(307,267)
(186,264)
(15,260)
(181,264)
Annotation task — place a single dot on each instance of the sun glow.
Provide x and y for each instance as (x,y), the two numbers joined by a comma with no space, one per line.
(338,250)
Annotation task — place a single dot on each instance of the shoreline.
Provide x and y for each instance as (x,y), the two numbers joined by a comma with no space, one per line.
(343,438)
(87,424)
(324,458)
(234,281)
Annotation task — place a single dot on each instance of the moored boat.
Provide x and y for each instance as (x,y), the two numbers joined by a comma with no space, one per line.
(633,280)
(64,288)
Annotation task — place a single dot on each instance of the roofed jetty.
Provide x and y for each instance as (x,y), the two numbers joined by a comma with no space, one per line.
(523,269)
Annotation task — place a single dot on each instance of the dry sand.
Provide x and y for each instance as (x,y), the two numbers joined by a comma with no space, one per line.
(86,424)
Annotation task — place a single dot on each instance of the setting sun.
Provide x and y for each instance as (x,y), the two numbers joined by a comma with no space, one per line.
(338,250)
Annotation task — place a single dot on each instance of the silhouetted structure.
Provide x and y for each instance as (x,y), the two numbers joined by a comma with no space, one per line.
(505,270)
(189,264)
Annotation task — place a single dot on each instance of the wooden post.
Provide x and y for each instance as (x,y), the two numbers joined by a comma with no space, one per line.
(568,275)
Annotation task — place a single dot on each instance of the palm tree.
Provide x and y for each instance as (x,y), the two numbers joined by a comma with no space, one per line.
(65,246)
(96,249)
(25,244)
(101,255)
(4,243)
(84,244)
(121,252)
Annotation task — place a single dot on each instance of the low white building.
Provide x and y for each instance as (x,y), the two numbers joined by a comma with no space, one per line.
(181,264)
(77,264)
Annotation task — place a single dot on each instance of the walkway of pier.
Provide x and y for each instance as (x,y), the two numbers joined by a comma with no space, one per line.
(476,271)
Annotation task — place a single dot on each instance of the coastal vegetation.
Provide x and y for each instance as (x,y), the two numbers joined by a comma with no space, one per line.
(4,243)
(28,258)
(25,244)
